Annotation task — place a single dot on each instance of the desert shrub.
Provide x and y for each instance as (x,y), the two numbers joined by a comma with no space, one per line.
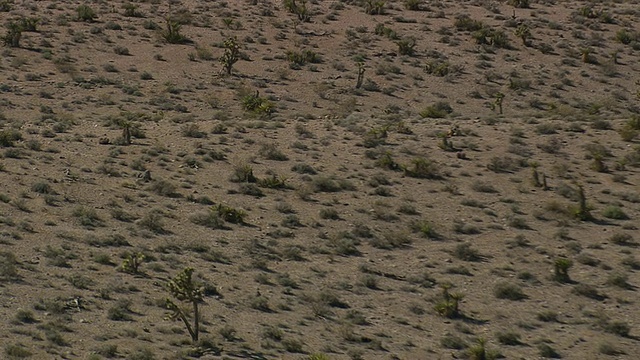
(479,351)
(436,111)
(43,188)
(85,13)
(13,35)
(619,328)
(271,152)
(423,168)
(153,221)
(442,68)
(509,291)
(465,23)
(622,240)
(547,316)
(229,214)
(614,212)
(524,4)
(164,188)
(509,338)
(16,351)
(425,228)
(131,10)
(547,352)
(87,217)
(588,291)
(9,137)
(503,164)
(450,341)
(8,267)
(329,214)
(300,58)
(121,311)
(465,252)
(257,105)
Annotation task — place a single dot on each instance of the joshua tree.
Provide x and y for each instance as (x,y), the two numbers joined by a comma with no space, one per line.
(361,70)
(498,101)
(184,288)
(582,212)
(132,262)
(561,269)
(231,54)
(449,306)
(524,33)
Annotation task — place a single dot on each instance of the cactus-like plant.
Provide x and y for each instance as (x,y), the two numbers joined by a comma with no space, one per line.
(131,263)
(523,31)
(561,269)
(231,54)
(184,288)
(361,70)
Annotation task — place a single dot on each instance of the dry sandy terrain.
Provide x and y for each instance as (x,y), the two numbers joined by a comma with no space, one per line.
(460,180)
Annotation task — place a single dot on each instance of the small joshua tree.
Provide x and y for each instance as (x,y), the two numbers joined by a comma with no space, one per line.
(361,71)
(498,102)
(561,269)
(449,306)
(131,263)
(231,54)
(172,32)
(524,33)
(184,288)
(582,212)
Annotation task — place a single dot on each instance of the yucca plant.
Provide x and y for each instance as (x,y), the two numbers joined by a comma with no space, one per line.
(172,32)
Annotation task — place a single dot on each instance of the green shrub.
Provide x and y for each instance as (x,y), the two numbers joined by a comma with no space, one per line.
(85,13)
(16,351)
(423,168)
(508,291)
(257,105)
(614,212)
(9,137)
(300,58)
(13,35)
(437,111)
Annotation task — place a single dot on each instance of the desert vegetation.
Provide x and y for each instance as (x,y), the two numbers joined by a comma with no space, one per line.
(300,179)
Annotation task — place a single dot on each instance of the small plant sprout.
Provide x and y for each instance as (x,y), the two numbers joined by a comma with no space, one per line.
(361,70)
(184,288)
(231,54)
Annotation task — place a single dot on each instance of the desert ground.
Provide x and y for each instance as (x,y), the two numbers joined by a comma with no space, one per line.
(319,179)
